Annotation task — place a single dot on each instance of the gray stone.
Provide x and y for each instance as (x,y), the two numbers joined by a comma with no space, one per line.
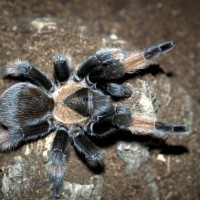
(93,191)
(133,154)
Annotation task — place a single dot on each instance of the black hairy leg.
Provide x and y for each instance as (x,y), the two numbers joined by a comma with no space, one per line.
(84,146)
(58,157)
(163,128)
(111,64)
(37,130)
(24,69)
(122,117)
(141,60)
(102,59)
(147,125)
(118,119)
(116,91)
(62,68)
(157,50)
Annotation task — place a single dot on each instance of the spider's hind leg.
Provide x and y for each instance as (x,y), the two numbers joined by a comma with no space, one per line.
(58,158)
(62,67)
(163,127)
(83,145)
(147,125)
(37,130)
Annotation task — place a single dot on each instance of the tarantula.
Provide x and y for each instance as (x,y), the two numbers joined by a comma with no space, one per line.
(76,106)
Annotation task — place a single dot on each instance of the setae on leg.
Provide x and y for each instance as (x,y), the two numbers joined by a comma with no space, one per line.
(116,91)
(62,68)
(119,119)
(147,125)
(58,157)
(24,69)
(84,146)
(111,64)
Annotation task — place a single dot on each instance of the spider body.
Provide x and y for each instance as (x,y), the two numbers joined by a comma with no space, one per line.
(75,106)
(62,111)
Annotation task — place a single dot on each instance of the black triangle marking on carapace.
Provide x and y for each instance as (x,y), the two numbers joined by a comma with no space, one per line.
(78,101)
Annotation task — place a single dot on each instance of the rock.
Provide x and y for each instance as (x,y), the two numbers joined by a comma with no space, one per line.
(133,154)
(43,24)
(12,182)
(93,191)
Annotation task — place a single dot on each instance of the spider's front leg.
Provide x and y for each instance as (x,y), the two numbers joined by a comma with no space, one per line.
(107,62)
(58,157)
(111,64)
(24,69)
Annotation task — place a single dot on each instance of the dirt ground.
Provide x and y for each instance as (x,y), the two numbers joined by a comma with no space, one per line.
(173,176)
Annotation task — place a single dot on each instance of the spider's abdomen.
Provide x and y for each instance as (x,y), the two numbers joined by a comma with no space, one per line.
(75,103)
(24,104)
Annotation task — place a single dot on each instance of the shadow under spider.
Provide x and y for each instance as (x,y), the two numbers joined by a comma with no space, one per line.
(153,69)
(151,142)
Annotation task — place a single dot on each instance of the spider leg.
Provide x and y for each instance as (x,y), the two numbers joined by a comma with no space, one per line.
(146,125)
(84,146)
(102,59)
(112,64)
(24,69)
(58,157)
(157,50)
(119,119)
(115,90)
(140,60)
(11,137)
(37,130)
(62,67)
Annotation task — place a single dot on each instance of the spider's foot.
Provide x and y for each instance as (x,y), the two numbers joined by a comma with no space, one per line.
(157,50)
(162,127)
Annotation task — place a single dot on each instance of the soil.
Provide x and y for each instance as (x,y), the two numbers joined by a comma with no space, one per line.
(82,27)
